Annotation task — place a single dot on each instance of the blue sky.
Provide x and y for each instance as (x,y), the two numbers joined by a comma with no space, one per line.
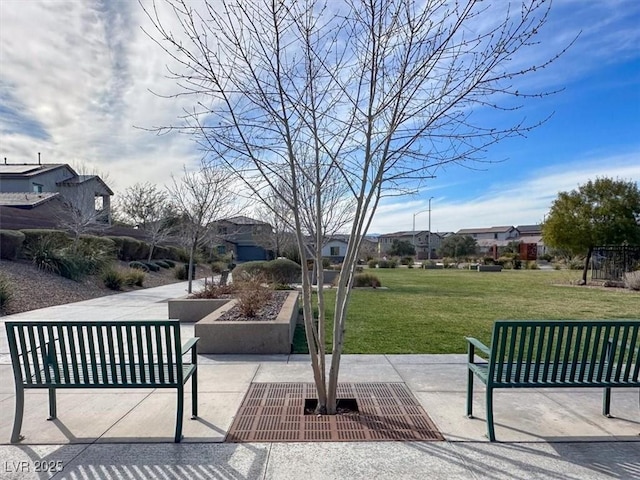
(75,79)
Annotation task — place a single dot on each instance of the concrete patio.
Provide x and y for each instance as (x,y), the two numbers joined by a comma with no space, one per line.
(126,433)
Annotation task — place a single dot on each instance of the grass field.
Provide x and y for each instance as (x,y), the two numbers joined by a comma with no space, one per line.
(430,311)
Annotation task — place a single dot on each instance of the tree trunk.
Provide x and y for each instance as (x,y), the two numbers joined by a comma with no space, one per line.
(586,266)
(190,268)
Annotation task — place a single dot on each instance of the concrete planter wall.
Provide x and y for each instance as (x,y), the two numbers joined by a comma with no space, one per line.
(191,310)
(248,337)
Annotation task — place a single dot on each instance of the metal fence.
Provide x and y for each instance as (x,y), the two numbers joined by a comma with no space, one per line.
(611,263)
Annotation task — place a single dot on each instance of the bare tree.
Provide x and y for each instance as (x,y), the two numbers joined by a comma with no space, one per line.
(362,98)
(201,197)
(148,208)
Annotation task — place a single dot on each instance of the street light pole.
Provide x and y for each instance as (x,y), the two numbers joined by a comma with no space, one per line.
(429,231)
(414,225)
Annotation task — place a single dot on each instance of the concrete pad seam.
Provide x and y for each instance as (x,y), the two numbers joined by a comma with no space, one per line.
(124,415)
(266,462)
(584,418)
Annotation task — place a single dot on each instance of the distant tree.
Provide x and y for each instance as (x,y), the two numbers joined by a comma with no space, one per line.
(201,198)
(601,212)
(401,248)
(458,246)
(148,207)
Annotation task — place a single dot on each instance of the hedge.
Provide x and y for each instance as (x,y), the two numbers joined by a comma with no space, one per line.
(10,243)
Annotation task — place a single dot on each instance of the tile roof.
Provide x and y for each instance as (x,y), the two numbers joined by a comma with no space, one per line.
(25,199)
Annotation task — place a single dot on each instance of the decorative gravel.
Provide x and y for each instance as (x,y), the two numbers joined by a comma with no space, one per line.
(33,288)
(268,313)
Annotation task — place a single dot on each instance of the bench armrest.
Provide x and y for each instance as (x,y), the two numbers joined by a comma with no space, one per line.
(478,344)
(189,345)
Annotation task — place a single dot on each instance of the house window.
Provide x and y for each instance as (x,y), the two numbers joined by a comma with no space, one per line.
(334,251)
(495,236)
(37,188)
(222,249)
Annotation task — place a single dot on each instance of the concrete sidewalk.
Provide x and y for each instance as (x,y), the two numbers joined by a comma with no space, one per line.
(557,433)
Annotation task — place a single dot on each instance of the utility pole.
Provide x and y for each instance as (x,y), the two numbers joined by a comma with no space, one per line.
(429,233)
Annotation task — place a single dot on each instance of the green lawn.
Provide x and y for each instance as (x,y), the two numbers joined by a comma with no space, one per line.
(430,311)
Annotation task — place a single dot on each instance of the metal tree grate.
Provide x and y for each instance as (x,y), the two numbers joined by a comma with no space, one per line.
(274,412)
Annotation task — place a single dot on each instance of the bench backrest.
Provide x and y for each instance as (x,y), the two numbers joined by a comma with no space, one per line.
(102,352)
(553,352)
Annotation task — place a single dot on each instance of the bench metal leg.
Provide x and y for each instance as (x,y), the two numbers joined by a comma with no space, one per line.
(17,420)
(179,414)
(606,402)
(470,394)
(490,430)
(194,395)
(53,411)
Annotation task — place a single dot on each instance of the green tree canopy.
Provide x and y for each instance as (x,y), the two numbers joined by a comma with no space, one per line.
(600,212)
(402,248)
(457,246)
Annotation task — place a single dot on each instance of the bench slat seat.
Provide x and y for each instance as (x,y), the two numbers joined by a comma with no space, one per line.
(576,378)
(101,354)
(555,353)
(126,376)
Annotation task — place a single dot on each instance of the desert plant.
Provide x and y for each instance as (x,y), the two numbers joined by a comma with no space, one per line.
(161,263)
(169,262)
(138,266)
(180,272)
(133,277)
(10,243)
(252,294)
(93,254)
(58,238)
(152,266)
(532,265)
(113,279)
(213,290)
(366,280)
(632,280)
(6,293)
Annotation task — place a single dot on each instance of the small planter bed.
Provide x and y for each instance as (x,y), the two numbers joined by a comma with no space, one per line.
(190,310)
(269,332)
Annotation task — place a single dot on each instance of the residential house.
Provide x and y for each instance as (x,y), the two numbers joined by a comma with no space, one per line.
(532,234)
(421,240)
(245,238)
(28,186)
(492,238)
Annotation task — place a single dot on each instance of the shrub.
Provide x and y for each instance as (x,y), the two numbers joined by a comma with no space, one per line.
(219,266)
(162,263)
(10,243)
(373,263)
(212,290)
(133,277)
(171,263)
(576,264)
(406,261)
(283,271)
(6,293)
(547,257)
(113,279)
(249,269)
(532,265)
(58,238)
(632,280)
(326,263)
(366,280)
(95,253)
(139,266)
(251,294)
(154,267)
(387,263)
(180,272)
(128,248)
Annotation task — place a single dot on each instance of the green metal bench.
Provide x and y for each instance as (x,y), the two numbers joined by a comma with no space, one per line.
(531,354)
(100,354)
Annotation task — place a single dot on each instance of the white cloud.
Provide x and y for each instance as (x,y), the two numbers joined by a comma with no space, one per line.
(505,203)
